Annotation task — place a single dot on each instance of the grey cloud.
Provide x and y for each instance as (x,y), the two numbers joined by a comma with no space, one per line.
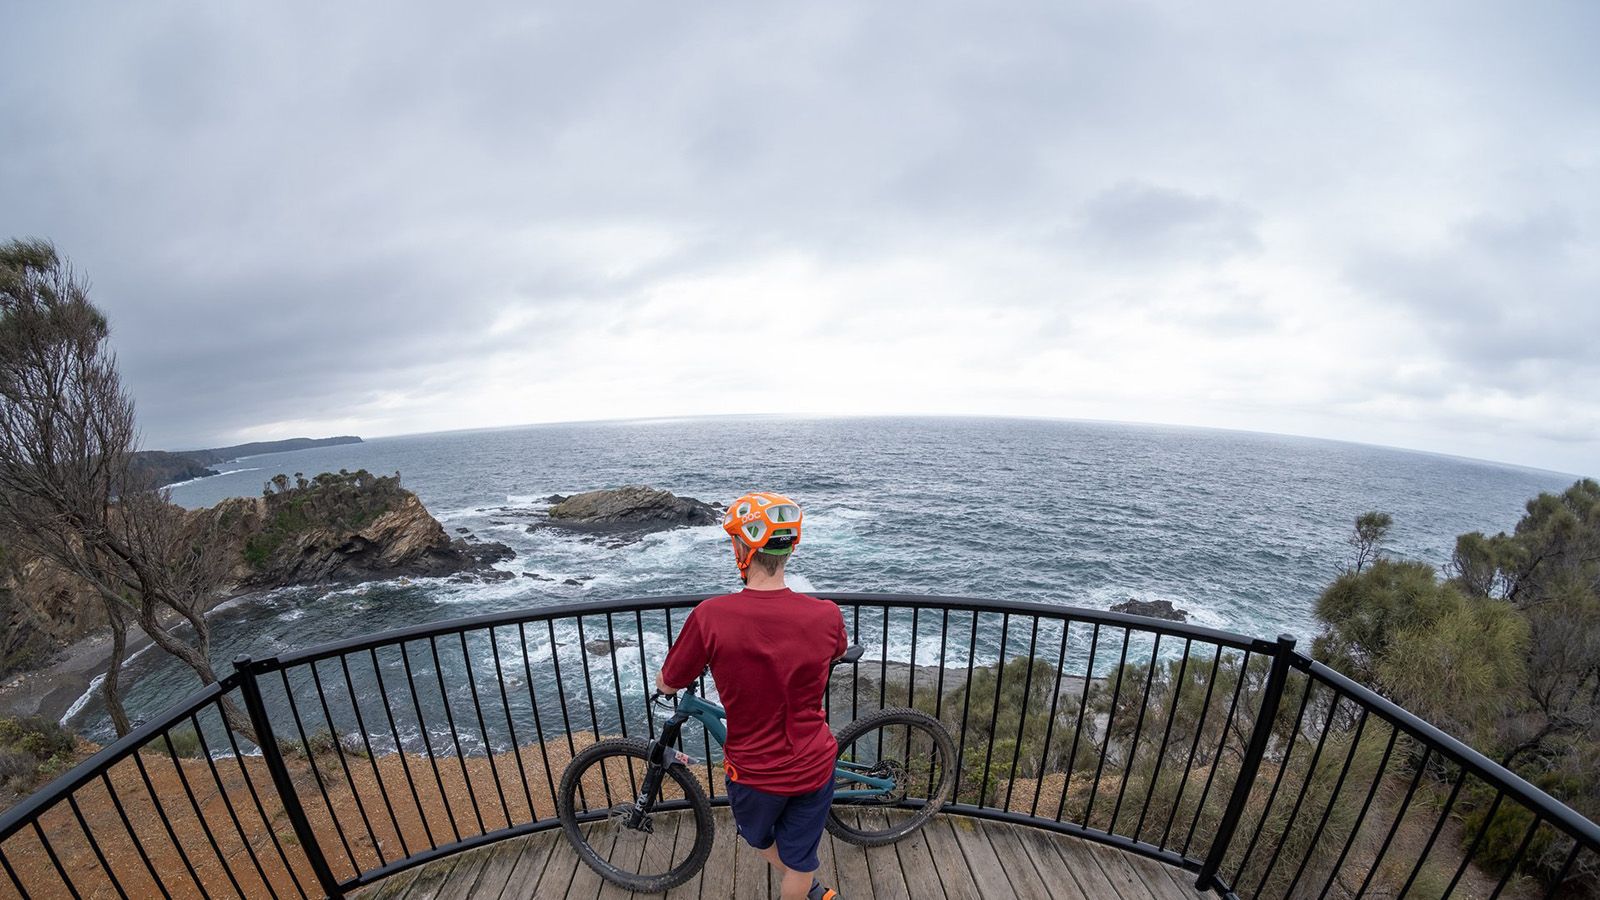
(1500,292)
(291,209)
(1151,223)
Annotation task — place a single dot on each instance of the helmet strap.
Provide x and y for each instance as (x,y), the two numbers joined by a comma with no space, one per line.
(742,555)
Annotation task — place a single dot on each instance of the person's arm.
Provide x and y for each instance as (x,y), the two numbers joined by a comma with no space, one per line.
(841,639)
(686,660)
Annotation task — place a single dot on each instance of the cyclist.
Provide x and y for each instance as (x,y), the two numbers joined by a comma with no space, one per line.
(770,651)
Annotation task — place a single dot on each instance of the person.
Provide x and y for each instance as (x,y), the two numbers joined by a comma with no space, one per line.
(770,650)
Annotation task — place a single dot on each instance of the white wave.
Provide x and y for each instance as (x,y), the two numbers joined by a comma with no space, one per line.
(78,704)
(204,477)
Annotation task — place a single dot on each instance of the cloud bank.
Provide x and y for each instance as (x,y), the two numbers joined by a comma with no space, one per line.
(1370,222)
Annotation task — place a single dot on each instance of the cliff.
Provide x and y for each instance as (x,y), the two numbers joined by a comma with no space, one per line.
(41,609)
(344,527)
(168,467)
(332,530)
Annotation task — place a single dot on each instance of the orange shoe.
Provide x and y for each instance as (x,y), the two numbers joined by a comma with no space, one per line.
(818,892)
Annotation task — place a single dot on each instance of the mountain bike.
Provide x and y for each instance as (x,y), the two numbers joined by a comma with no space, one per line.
(895,769)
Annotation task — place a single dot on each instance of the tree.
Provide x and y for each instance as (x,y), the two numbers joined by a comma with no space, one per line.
(1371,529)
(68,491)
(1456,660)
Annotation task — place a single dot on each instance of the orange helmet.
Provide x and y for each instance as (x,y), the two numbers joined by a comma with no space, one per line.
(760,522)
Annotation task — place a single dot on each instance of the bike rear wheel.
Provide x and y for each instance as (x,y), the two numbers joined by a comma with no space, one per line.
(597,794)
(909,747)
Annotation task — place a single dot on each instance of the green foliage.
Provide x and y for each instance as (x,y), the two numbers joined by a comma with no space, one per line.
(1371,529)
(1000,730)
(342,501)
(32,749)
(36,735)
(185,744)
(1505,654)
(1306,833)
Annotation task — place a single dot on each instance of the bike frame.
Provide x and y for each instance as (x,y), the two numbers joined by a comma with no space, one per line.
(712,716)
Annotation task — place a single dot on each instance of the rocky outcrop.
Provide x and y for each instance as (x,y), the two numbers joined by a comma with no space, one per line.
(158,467)
(41,610)
(335,528)
(1154,609)
(634,508)
(164,467)
(328,531)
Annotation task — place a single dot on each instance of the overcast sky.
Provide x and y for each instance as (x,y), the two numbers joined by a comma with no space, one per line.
(1369,221)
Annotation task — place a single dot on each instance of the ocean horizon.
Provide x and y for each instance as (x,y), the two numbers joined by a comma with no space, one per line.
(1240,529)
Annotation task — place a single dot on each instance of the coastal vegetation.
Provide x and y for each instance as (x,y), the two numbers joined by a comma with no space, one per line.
(69,496)
(91,543)
(32,749)
(346,501)
(1502,649)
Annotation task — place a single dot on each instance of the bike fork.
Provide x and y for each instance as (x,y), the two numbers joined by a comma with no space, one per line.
(661,751)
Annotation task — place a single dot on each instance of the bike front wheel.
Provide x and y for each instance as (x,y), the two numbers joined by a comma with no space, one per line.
(910,749)
(596,804)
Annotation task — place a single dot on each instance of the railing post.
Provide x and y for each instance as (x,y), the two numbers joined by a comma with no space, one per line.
(1277,677)
(273,757)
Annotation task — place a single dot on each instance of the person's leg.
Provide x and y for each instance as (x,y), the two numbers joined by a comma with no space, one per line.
(794,885)
(796,837)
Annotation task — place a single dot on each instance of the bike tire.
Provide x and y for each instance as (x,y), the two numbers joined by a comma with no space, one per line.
(635,753)
(931,736)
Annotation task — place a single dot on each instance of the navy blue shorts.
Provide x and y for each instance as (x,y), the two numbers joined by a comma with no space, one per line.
(794,823)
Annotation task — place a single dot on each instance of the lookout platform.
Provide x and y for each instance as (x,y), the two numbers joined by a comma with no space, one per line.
(955,858)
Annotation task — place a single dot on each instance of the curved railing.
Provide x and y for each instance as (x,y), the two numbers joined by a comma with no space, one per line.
(1241,760)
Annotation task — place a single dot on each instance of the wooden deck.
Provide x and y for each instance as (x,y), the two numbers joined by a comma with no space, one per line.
(953,858)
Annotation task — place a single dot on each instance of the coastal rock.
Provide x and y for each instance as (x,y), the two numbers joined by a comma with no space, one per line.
(1154,609)
(634,509)
(337,532)
(42,609)
(603,647)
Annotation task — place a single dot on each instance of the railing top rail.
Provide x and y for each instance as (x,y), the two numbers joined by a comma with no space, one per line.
(1548,807)
(679,601)
(29,807)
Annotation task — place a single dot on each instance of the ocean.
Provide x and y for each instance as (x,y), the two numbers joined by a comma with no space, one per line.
(1242,530)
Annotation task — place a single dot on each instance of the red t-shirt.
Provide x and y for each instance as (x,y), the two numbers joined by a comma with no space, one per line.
(769,652)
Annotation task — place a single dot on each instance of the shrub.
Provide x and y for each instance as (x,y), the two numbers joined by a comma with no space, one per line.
(36,736)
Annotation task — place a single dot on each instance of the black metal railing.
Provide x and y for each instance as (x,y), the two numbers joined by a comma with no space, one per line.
(1241,760)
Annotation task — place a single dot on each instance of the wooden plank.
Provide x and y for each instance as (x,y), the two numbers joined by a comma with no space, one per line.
(499,858)
(827,869)
(1025,880)
(716,881)
(1154,876)
(855,879)
(955,876)
(586,882)
(980,857)
(917,865)
(951,857)
(1184,879)
(658,854)
(559,870)
(459,885)
(626,854)
(393,886)
(430,879)
(1080,864)
(749,872)
(1123,878)
(524,876)
(883,864)
(1052,871)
